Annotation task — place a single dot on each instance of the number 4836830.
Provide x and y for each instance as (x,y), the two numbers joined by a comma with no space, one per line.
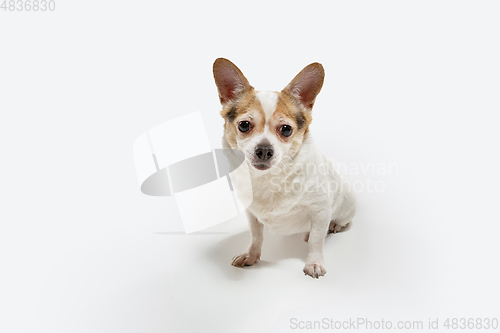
(28,5)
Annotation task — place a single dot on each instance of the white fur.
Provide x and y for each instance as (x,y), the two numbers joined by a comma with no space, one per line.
(268,100)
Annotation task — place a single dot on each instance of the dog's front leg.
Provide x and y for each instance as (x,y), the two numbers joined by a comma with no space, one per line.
(254,249)
(315,266)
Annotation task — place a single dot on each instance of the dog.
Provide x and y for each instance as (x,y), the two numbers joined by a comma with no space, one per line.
(294,186)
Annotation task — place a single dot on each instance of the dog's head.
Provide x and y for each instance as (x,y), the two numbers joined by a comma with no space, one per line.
(266,126)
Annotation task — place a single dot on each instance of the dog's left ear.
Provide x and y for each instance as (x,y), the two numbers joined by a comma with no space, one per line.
(307,85)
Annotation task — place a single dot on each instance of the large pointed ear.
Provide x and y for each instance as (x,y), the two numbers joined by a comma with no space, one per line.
(307,85)
(230,81)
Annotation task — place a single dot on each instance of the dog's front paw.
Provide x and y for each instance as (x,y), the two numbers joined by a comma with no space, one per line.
(245,259)
(314,270)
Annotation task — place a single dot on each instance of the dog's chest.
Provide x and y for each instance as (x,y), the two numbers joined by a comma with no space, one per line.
(294,221)
(281,213)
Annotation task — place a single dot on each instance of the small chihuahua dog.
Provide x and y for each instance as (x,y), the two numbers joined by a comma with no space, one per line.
(294,186)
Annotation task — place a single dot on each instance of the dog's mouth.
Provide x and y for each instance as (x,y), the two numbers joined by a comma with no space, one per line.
(261,166)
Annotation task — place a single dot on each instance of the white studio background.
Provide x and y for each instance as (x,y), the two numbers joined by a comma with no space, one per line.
(410,83)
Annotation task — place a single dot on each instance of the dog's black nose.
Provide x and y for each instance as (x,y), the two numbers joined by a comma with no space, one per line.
(264,153)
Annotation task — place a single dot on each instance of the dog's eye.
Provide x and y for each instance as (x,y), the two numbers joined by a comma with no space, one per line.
(286,130)
(244,126)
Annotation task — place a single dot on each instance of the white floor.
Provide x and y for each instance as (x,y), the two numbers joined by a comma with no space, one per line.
(106,272)
(83,250)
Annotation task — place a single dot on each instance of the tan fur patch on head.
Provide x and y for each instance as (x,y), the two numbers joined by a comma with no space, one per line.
(290,112)
(234,110)
(288,105)
(248,108)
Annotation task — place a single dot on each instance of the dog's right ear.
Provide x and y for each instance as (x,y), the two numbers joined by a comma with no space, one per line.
(230,81)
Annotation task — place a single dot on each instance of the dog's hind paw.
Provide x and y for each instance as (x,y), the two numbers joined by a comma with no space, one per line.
(333,228)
